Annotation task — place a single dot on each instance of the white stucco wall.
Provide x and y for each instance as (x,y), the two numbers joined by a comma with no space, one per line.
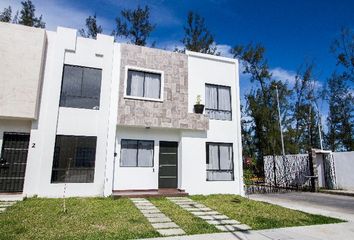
(139,178)
(344,167)
(22,52)
(320,171)
(204,69)
(64,47)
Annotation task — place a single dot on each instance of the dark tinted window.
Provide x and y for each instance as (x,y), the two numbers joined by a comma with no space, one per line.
(137,153)
(81,87)
(74,159)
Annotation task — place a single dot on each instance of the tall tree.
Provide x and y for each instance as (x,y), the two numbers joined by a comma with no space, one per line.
(340,135)
(343,48)
(6,15)
(262,101)
(135,25)
(27,15)
(92,29)
(305,116)
(197,37)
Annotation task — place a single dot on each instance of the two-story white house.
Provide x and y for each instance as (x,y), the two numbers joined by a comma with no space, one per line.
(96,118)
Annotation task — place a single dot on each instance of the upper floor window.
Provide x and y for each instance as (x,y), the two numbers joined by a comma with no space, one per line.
(81,87)
(218,102)
(143,84)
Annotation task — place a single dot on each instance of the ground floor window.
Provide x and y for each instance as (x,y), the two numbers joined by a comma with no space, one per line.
(74,159)
(137,153)
(219,161)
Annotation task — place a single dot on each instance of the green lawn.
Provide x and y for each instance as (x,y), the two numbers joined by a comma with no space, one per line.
(187,221)
(86,218)
(260,215)
(105,218)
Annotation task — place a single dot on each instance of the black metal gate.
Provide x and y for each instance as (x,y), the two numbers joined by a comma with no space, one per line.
(13,161)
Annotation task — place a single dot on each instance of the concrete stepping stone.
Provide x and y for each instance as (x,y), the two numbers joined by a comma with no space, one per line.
(158,220)
(210,213)
(242,227)
(204,209)
(164,225)
(220,221)
(154,215)
(146,207)
(171,232)
(206,217)
(147,211)
(7,203)
(219,217)
(223,222)
(143,204)
(232,228)
(138,199)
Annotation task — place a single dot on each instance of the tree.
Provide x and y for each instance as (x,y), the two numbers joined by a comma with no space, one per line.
(343,48)
(305,116)
(27,16)
(135,25)
(197,37)
(340,135)
(6,15)
(262,102)
(92,29)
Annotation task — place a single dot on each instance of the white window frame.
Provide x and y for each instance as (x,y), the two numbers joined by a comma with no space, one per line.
(134,68)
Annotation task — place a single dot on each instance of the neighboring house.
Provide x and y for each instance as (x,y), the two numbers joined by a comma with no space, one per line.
(94,117)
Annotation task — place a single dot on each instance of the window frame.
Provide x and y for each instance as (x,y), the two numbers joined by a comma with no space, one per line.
(137,153)
(145,70)
(62,81)
(217,101)
(75,160)
(232,170)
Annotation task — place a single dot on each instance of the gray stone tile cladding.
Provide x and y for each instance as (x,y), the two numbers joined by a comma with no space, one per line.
(173,111)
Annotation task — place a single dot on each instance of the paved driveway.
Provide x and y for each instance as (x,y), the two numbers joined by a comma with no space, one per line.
(317,203)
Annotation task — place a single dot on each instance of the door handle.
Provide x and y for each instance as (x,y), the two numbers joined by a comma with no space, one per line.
(3,163)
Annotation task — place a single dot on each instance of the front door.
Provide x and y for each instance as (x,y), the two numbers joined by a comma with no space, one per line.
(168,165)
(13,161)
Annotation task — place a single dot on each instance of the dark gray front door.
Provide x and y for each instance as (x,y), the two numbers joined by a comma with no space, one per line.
(168,165)
(13,161)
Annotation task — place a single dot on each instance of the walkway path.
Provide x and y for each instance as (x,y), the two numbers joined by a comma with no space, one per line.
(342,231)
(159,221)
(221,222)
(5,204)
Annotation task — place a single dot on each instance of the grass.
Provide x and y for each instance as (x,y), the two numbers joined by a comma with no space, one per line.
(105,218)
(187,221)
(260,215)
(86,218)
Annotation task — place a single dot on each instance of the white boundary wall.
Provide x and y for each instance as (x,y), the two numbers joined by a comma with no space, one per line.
(344,167)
